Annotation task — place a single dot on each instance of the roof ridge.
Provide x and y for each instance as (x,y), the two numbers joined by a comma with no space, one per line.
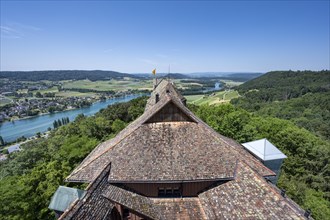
(89,191)
(229,146)
(262,184)
(136,123)
(274,189)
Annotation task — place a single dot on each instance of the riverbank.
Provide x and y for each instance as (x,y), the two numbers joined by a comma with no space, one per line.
(28,127)
(13,119)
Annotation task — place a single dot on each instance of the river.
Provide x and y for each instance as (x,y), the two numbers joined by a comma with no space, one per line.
(28,127)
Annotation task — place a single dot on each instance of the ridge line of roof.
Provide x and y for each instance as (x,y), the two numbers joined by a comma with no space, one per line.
(171,181)
(276,190)
(219,136)
(137,124)
(97,180)
(291,204)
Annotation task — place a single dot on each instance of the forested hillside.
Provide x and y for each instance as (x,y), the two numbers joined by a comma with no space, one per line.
(305,173)
(302,97)
(30,177)
(58,75)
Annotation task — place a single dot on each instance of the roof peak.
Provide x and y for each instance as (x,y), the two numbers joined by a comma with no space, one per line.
(164,89)
(264,149)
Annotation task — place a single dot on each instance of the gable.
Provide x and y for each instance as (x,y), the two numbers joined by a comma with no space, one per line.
(170,113)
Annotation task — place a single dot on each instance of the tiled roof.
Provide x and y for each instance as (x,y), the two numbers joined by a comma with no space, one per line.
(177,151)
(81,173)
(93,205)
(164,88)
(133,201)
(249,196)
(171,152)
(180,208)
(166,151)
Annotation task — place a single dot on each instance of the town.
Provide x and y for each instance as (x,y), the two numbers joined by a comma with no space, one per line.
(20,99)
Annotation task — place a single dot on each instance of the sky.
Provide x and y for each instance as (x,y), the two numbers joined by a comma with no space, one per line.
(190,36)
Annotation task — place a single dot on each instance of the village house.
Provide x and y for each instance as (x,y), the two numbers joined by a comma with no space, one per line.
(169,164)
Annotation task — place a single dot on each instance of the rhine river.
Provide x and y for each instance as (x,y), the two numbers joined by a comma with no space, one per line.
(28,127)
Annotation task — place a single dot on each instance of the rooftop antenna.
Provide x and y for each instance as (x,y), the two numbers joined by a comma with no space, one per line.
(169,71)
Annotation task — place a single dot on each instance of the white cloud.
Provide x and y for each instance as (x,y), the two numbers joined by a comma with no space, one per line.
(148,61)
(14,30)
(8,32)
(24,26)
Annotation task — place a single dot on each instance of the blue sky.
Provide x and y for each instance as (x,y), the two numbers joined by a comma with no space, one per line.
(191,36)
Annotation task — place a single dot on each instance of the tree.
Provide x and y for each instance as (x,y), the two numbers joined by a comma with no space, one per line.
(38,95)
(55,124)
(2,142)
(118,125)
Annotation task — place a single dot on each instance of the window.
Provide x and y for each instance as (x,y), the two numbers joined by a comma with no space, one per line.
(161,192)
(169,192)
(157,98)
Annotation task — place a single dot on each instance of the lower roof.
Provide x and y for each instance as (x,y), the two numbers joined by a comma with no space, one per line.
(63,197)
(180,208)
(248,196)
(264,150)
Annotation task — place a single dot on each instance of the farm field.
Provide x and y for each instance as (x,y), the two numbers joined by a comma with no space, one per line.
(231,83)
(122,85)
(4,100)
(212,99)
(127,84)
(111,85)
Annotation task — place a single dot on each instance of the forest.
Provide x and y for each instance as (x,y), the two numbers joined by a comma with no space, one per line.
(302,97)
(29,178)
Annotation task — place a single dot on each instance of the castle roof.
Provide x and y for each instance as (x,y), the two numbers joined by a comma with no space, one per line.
(182,148)
(169,144)
(248,196)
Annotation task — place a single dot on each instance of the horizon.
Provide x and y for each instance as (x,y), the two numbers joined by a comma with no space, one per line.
(191,36)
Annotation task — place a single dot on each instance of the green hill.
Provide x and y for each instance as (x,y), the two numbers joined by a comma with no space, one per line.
(302,97)
(59,75)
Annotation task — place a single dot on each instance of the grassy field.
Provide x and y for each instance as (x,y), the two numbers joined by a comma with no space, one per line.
(111,85)
(4,100)
(212,99)
(182,84)
(127,84)
(121,85)
(66,94)
(231,83)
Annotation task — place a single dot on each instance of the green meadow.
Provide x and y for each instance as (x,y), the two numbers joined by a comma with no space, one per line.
(212,99)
